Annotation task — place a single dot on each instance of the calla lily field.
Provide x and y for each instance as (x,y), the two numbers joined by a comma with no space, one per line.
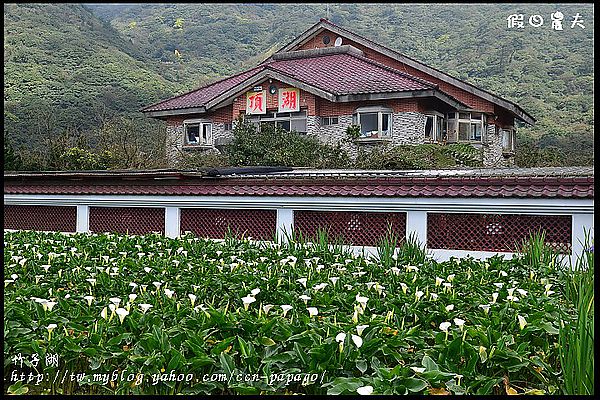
(244,312)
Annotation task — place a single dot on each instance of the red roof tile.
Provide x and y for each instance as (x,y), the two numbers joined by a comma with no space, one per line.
(338,74)
(407,187)
(342,74)
(200,96)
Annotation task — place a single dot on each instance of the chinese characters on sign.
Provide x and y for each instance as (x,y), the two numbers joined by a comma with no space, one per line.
(256,102)
(518,21)
(289,100)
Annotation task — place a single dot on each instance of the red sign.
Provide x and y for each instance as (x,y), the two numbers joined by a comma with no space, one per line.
(289,100)
(256,102)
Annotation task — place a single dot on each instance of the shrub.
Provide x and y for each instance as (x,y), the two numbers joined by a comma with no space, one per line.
(274,146)
(80,159)
(422,156)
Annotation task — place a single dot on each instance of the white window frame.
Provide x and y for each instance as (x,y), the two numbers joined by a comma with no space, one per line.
(293,116)
(201,123)
(327,121)
(380,111)
(482,120)
(437,136)
(508,137)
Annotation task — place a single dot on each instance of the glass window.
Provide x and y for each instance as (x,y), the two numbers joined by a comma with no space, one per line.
(287,121)
(373,124)
(475,131)
(385,124)
(441,128)
(284,125)
(298,125)
(508,139)
(471,126)
(206,133)
(325,121)
(429,121)
(463,131)
(198,133)
(369,124)
(193,133)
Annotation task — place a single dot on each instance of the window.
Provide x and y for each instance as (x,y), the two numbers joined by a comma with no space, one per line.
(508,139)
(466,127)
(228,126)
(198,132)
(325,121)
(295,121)
(374,122)
(435,128)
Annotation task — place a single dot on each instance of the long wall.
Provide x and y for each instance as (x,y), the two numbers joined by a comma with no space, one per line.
(447,226)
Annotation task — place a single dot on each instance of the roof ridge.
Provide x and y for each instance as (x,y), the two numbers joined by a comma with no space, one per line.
(202,87)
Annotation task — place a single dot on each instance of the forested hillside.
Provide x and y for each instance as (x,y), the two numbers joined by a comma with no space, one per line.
(75,68)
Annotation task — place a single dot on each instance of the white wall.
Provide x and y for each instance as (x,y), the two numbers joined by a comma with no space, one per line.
(581,210)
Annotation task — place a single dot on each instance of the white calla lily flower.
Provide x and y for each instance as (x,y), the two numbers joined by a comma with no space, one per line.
(361,328)
(357,340)
(365,390)
(122,313)
(444,326)
(286,308)
(145,307)
(89,299)
(302,281)
(522,322)
(312,311)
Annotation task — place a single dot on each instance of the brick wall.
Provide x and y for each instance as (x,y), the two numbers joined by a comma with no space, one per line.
(307,100)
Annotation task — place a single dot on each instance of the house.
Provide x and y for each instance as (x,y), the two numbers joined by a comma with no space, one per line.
(328,79)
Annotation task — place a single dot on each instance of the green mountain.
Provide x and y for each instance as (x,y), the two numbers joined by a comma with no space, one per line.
(119,57)
(65,69)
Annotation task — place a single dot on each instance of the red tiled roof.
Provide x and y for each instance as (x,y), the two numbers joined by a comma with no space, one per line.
(341,74)
(338,74)
(199,97)
(455,186)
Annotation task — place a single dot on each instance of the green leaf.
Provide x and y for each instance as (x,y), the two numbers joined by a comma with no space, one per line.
(429,364)
(18,388)
(227,364)
(415,385)
(244,347)
(549,328)
(361,365)
(300,354)
(267,341)
(176,362)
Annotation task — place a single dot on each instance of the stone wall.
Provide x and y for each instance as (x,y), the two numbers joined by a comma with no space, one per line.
(492,150)
(407,128)
(177,151)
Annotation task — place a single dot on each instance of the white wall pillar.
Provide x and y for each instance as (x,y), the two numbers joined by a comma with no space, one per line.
(172,222)
(581,223)
(285,223)
(83,218)
(416,223)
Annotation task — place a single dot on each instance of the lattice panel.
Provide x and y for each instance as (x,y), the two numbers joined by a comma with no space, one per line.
(41,218)
(131,220)
(495,232)
(353,228)
(211,223)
